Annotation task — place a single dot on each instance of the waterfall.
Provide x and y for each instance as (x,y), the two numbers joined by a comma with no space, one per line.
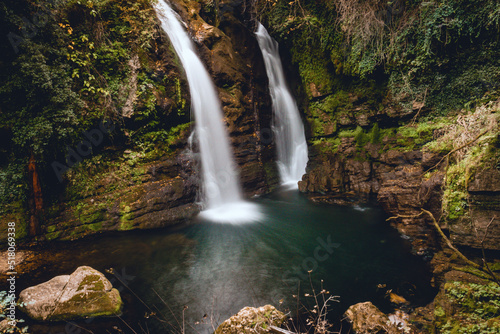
(287,125)
(220,180)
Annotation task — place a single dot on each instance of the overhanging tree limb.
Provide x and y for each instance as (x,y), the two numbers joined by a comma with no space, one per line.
(450,245)
(448,242)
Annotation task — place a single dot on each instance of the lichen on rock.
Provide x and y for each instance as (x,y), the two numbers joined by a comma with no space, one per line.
(252,320)
(83,294)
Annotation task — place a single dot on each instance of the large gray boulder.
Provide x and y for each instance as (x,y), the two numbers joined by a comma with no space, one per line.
(83,294)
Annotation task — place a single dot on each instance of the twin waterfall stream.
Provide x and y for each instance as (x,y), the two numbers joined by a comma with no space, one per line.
(287,125)
(222,192)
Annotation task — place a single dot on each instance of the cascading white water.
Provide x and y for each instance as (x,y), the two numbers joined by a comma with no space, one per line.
(287,124)
(221,189)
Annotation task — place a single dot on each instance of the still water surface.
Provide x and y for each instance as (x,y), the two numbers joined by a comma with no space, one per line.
(217,269)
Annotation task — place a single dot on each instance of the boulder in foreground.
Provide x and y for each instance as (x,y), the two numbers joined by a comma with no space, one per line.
(83,294)
(252,320)
(366,318)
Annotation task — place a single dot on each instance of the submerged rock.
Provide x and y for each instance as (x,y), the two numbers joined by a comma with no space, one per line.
(85,293)
(366,318)
(252,320)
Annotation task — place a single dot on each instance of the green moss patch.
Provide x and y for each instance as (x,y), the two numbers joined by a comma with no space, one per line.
(475,309)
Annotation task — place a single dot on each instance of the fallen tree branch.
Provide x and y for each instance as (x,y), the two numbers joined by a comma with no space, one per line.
(445,238)
(488,271)
(404,216)
(277,330)
(448,242)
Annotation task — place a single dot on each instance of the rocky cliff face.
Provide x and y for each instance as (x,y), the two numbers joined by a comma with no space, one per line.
(163,194)
(225,39)
(404,170)
(484,193)
(392,177)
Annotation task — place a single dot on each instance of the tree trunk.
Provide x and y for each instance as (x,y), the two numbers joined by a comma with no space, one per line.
(35,199)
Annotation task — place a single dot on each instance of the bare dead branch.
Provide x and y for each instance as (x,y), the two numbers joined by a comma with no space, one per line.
(441,233)
(450,245)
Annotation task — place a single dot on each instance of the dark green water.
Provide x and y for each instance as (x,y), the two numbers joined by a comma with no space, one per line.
(217,269)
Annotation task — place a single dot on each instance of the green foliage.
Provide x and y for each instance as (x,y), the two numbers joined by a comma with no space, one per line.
(14,187)
(5,302)
(478,308)
(416,136)
(375,134)
(346,133)
(442,52)
(40,105)
(150,141)
(120,170)
(100,50)
(78,69)
(448,48)
(359,137)
(455,201)
(39,109)
(473,137)
(126,218)
(458,176)
(327,145)
(494,267)
(439,312)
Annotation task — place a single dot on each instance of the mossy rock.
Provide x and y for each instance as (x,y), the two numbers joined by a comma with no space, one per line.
(252,320)
(467,307)
(366,318)
(83,294)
